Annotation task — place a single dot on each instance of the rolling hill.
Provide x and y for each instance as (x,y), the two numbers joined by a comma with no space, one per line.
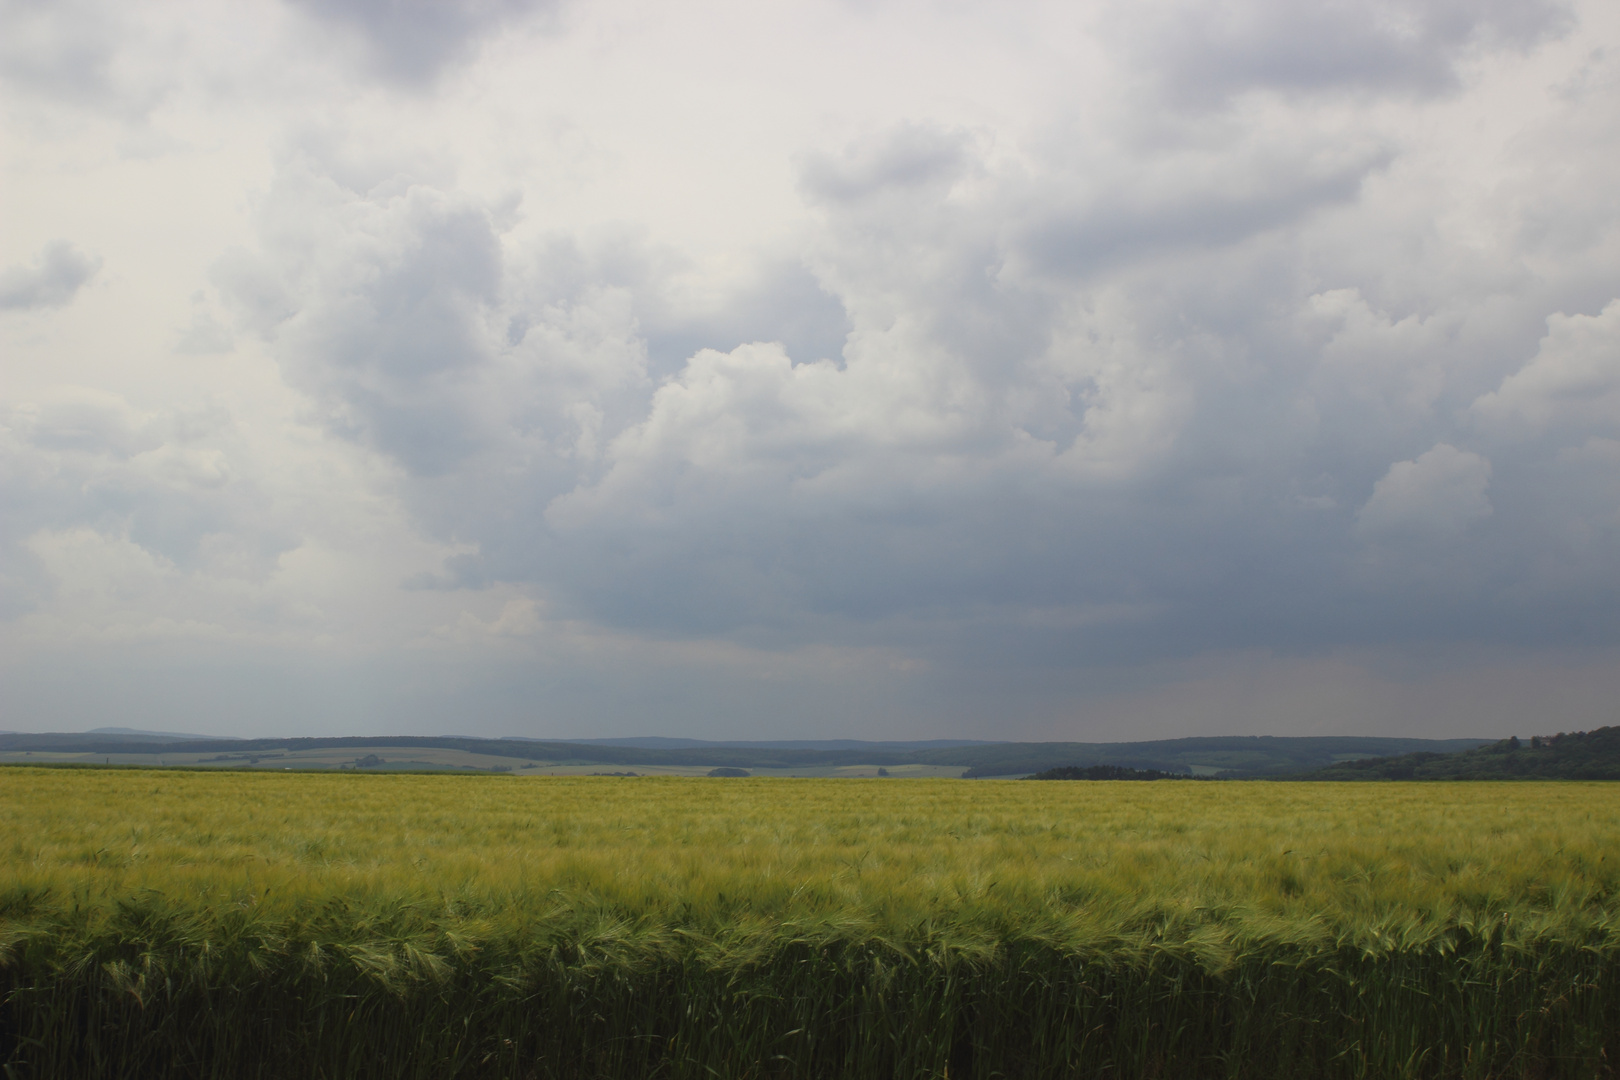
(1210,756)
(1579,755)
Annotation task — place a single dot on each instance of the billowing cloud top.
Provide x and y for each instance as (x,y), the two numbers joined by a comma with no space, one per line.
(899,369)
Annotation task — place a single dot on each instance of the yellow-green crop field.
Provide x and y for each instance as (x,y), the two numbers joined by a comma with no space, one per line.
(248,924)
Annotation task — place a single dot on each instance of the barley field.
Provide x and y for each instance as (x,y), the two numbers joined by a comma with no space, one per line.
(249,924)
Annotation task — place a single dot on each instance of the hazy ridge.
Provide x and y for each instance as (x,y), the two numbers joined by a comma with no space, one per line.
(1208,756)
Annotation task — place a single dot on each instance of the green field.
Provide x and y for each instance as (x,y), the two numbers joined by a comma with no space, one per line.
(302,924)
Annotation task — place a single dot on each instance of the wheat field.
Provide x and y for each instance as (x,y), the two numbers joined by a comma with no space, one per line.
(177,923)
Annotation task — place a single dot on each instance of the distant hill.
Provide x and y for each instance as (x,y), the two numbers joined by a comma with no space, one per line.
(1578,755)
(1218,756)
(1105,772)
(1227,755)
(658,742)
(140,733)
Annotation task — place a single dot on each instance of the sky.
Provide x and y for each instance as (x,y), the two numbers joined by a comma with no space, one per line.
(890,369)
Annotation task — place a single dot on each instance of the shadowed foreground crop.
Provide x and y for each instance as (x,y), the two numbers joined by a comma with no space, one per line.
(250,924)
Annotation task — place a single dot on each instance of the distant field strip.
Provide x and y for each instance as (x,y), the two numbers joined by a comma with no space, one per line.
(255,924)
(384,758)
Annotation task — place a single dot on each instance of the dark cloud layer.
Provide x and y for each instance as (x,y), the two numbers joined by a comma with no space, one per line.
(1121,427)
(412,41)
(1272,333)
(53,279)
(1206,52)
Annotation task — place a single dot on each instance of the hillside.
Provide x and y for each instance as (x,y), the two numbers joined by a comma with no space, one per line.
(1579,755)
(1228,755)
(1220,756)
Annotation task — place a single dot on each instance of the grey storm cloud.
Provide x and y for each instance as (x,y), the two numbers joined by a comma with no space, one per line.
(412,41)
(383,321)
(53,279)
(911,157)
(1203,330)
(1125,225)
(969,445)
(66,50)
(1438,494)
(783,302)
(1205,52)
(172,482)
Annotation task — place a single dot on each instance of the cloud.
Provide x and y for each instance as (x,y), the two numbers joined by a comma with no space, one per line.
(881,439)
(1130,228)
(376,303)
(903,160)
(53,280)
(84,458)
(71,51)
(1435,496)
(517,619)
(1004,361)
(782,301)
(85,420)
(1572,385)
(1207,52)
(413,41)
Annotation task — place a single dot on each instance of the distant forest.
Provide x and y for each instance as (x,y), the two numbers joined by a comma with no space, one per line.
(1577,755)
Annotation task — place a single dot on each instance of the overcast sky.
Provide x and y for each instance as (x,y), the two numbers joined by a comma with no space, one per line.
(852,368)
